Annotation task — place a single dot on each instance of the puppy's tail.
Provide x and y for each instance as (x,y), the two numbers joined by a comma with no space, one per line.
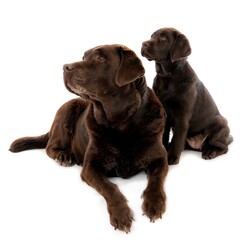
(27,143)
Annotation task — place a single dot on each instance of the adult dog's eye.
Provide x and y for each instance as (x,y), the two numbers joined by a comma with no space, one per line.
(99,58)
(163,38)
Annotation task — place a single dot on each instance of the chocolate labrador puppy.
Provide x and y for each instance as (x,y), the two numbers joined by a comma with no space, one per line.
(115,128)
(191,111)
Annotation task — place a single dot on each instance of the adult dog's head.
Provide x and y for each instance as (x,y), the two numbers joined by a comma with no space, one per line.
(166,44)
(103,71)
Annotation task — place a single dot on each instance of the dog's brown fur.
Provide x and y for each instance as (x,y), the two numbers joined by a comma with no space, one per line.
(114,129)
(191,111)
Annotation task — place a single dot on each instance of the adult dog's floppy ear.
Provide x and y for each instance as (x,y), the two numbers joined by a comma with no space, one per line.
(181,48)
(130,68)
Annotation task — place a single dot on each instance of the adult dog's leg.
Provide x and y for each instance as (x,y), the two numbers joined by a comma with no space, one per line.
(62,130)
(154,197)
(121,215)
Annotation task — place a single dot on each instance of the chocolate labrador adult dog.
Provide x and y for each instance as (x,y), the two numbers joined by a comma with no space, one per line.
(115,128)
(191,111)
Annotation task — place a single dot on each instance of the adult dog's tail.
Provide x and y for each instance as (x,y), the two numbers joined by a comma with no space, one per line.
(27,143)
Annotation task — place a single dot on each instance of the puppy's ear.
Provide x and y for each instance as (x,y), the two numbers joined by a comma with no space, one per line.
(181,48)
(130,68)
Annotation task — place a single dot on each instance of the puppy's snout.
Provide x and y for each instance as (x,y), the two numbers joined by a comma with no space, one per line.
(145,44)
(68,67)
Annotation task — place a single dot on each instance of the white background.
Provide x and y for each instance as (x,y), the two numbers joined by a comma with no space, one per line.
(41,200)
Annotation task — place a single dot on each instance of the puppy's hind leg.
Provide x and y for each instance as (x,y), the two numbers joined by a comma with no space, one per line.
(218,140)
(62,130)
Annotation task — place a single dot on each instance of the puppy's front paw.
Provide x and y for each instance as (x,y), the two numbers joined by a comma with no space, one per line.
(121,216)
(172,160)
(154,204)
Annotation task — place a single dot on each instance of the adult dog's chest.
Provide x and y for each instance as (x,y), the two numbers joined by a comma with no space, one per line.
(121,152)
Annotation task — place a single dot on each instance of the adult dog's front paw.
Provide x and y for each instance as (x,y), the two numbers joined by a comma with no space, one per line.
(64,159)
(121,216)
(154,204)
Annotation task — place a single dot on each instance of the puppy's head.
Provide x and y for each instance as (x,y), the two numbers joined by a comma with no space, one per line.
(166,44)
(103,71)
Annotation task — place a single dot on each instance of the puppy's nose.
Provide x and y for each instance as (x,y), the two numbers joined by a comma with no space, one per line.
(145,44)
(68,67)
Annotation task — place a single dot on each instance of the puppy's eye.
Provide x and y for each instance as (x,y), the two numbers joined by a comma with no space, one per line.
(163,38)
(83,58)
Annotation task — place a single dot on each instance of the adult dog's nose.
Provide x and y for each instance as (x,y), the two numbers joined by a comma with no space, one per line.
(68,67)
